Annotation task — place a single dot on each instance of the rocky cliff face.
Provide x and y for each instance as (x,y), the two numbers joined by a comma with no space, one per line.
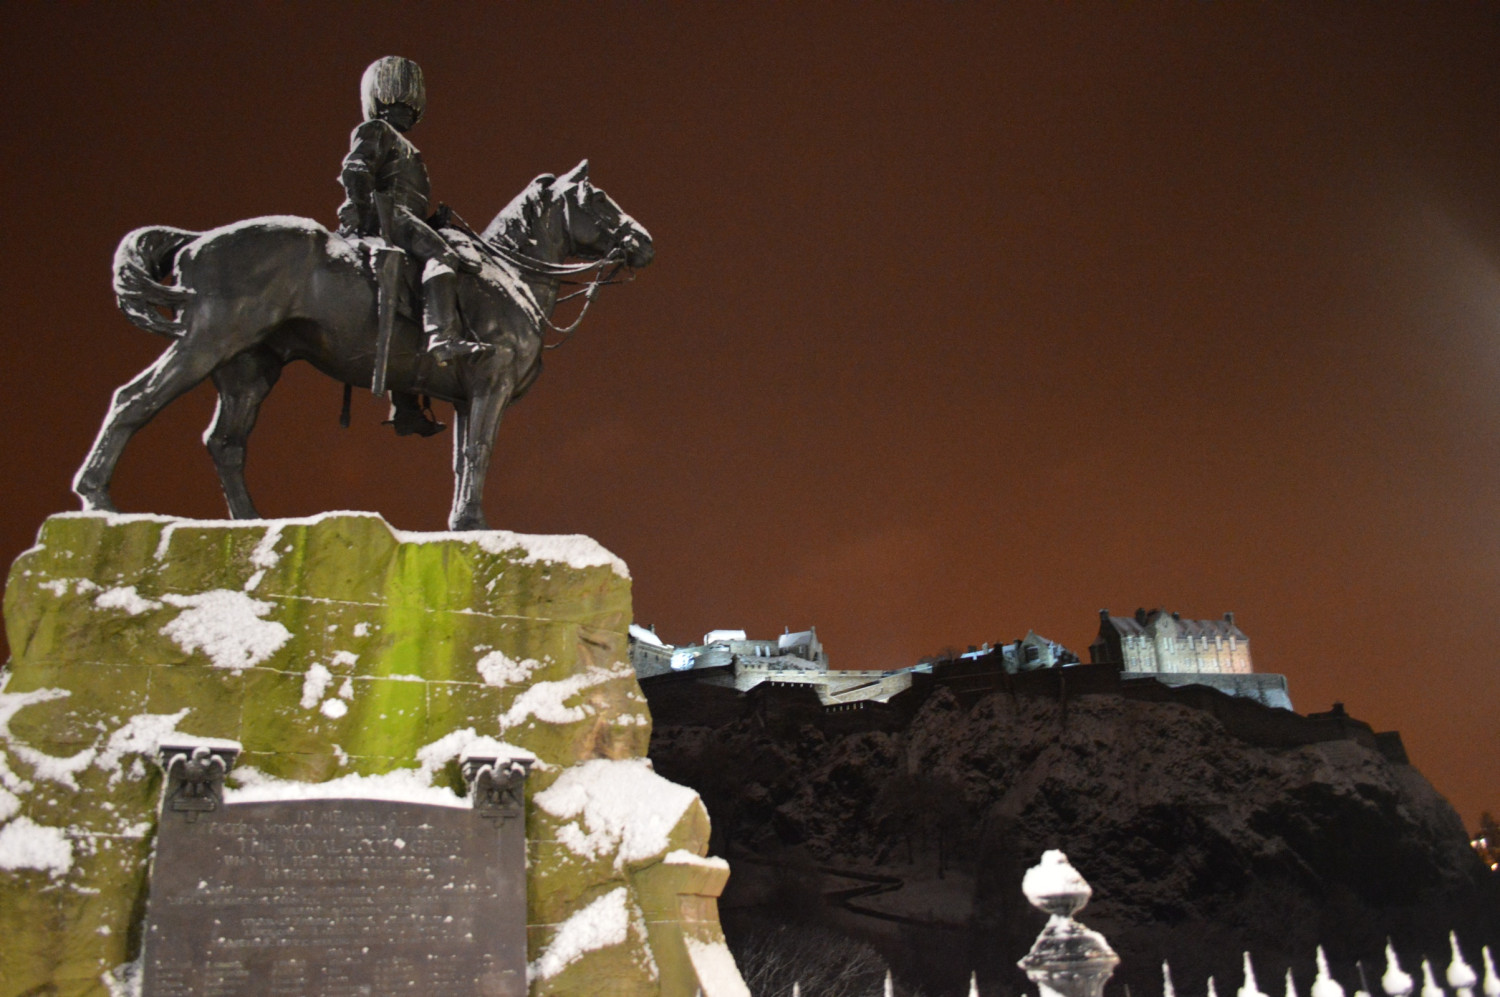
(1198,845)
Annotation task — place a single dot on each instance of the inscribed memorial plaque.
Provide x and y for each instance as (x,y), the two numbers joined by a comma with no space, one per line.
(337,898)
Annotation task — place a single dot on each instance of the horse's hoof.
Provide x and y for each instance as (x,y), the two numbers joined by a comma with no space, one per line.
(466,524)
(96,503)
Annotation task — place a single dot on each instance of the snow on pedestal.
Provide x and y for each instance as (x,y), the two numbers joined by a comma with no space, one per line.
(345,659)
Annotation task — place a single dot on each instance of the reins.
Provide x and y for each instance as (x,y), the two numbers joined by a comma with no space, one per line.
(589,294)
(562,273)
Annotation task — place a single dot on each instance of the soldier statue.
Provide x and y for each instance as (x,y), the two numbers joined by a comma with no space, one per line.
(239,302)
(386,194)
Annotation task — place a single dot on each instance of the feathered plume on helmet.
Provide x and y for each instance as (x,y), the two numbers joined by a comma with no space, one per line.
(392,80)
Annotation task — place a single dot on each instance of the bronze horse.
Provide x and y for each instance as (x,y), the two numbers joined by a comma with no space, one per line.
(252,297)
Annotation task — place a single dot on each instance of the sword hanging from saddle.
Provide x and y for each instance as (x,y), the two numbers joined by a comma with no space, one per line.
(387,265)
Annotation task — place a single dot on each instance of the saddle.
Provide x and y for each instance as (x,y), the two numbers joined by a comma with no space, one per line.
(446,223)
(462,239)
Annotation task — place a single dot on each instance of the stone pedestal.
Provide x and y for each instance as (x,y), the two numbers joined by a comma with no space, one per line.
(338,652)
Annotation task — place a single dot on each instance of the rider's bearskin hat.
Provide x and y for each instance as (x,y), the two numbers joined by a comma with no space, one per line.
(392,80)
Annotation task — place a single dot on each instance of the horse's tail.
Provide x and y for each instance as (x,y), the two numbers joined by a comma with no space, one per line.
(144,257)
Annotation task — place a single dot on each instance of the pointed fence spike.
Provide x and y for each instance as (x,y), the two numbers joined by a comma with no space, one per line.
(890,988)
(1491,978)
(1325,985)
(973,985)
(1250,988)
(1396,982)
(1430,987)
(1167,989)
(1461,976)
(1211,991)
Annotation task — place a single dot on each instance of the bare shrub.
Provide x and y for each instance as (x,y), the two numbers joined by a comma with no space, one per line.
(773,956)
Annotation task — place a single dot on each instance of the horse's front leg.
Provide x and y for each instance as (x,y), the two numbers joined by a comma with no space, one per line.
(179,368)
(473,441)
(460,460)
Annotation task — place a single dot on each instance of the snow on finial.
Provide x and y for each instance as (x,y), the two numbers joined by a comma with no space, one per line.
(1396,982)
(973,985)
(890,988)
(1054,886)
(1325,985)
(1167,990)
(1250,988)
(1429,985)
(1461,976)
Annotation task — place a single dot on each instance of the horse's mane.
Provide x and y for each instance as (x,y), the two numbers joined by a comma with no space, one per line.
(511,226)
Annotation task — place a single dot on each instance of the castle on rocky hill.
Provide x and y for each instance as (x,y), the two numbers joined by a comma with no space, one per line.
(1156,644)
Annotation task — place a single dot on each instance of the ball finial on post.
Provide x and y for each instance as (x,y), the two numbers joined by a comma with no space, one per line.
(1068,959)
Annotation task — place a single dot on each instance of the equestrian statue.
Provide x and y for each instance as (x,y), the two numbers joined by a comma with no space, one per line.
(397,299)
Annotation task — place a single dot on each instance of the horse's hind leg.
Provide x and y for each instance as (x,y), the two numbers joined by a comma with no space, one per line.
(243,384)
(135,404)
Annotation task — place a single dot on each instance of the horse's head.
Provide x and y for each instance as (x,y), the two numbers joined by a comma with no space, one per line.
(594,223)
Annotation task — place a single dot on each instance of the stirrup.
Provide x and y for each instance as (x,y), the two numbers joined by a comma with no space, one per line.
(444,350)
(414,423)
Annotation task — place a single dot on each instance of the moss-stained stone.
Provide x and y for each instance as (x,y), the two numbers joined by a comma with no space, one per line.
(332,647)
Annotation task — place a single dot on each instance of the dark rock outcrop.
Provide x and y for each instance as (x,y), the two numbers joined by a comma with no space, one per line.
(1198,844)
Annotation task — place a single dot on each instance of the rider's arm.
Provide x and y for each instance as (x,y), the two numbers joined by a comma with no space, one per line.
(368,147)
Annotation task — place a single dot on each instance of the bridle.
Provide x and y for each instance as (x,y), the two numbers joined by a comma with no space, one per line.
(566,273)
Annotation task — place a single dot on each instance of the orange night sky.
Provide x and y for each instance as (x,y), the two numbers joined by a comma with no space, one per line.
(965,320)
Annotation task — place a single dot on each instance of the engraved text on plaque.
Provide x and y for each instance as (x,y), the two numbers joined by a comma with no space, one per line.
(337,898)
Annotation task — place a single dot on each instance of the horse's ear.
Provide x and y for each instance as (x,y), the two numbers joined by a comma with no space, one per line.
(579,172)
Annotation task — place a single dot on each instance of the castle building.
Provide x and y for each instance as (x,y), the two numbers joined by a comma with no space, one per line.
(730,658)
(1159,641)
(1175,651)
(649,653)
(1030,653)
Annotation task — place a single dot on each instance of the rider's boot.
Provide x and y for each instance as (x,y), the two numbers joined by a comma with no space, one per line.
(409,418)
(440,318)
